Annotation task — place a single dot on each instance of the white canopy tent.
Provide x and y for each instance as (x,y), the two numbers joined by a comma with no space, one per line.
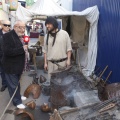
(3,15)
(87,42)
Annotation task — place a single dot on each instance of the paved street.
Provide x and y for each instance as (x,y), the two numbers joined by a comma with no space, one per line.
(25,82)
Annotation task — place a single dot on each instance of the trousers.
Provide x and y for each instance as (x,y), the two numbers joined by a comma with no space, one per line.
(3,76)
(13,80)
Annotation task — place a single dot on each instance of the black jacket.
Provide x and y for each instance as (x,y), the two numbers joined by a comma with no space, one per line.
(1,38)
(13,53)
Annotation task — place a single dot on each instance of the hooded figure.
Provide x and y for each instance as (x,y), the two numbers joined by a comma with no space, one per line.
(57,47)
(53,21)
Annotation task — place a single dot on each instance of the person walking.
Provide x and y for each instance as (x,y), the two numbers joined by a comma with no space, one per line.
(57,47)
(5,27)
(14,60)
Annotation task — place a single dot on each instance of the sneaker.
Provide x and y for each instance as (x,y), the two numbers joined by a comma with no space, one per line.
(23,98)
(21,106)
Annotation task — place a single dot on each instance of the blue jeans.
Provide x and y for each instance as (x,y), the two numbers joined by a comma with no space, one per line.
(12,83)
(3,76)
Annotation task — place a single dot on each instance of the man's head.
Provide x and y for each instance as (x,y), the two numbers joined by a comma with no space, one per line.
(51,24)
(5,25)
(19,27)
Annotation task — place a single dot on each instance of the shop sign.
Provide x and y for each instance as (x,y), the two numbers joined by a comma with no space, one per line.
(13,5)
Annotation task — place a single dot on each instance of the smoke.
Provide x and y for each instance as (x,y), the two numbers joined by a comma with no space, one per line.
(73,87)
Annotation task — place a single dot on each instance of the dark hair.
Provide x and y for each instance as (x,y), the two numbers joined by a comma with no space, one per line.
(52,21)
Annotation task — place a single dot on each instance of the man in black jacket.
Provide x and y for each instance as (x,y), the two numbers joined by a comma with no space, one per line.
(5,28)
(14,60)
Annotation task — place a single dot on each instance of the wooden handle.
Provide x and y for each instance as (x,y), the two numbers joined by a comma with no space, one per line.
(108,76)
(109,106)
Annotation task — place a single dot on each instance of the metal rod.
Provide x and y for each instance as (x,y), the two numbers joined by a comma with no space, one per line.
(99,78)
(95,71)
(103,72)
(8,103)
(108,77)
(98,74)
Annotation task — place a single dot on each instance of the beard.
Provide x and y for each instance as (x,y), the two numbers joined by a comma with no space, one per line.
(50,31)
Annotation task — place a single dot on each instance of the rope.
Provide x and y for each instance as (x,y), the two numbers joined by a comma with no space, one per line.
(9,103)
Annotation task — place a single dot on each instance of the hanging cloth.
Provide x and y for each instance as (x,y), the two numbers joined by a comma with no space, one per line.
(53,35)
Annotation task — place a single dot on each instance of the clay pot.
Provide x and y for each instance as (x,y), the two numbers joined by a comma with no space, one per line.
(31,105)
(45,107)
(42,79)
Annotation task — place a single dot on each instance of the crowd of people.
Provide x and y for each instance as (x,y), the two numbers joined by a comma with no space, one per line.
(57,48)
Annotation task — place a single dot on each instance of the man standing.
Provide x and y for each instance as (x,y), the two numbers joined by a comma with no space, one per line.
(14,60)
(5,24)
(57,46)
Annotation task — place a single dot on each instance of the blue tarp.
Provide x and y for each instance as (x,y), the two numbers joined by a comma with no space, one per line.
(108,34)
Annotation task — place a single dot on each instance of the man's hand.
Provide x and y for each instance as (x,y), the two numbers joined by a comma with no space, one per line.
(46,66)
(25,47)
(68,62)
(45,62)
